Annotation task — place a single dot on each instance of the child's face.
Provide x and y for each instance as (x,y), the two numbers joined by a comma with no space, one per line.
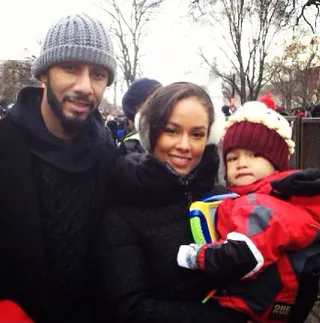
(245,167)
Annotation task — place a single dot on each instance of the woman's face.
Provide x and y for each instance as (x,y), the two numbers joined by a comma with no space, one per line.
(183,140)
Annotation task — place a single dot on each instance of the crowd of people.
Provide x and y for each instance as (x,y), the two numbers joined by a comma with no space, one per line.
(311,111)
(94,215)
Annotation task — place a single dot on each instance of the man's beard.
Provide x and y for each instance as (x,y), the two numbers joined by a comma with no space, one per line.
(70,125)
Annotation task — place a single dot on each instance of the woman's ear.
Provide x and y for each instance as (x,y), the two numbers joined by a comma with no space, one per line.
(143,130)
(217,128)
(136,121)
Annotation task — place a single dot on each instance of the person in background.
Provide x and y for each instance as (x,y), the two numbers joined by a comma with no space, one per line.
(282,111)
(3,112)
(54,171)
(112,125)
(316,111)
(226,111)
(300,113)
(259,227)
(138,92)
(121,130)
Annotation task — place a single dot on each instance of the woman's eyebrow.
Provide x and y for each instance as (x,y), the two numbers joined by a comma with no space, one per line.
(172,123)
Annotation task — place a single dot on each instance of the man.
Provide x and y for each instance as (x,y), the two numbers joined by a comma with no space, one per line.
(55,161)
(138,93)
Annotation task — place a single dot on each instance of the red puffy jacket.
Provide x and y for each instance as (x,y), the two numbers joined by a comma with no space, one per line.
(10,312)
(273,229)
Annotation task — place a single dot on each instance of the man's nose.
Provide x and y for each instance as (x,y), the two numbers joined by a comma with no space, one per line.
(84,83)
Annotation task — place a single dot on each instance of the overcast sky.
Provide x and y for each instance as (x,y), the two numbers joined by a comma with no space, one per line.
(170,50)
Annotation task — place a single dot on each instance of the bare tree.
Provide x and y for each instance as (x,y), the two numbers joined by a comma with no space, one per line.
(294,69)
(248,29)
(15,75)
(130,21)
(303,8)
(283,81)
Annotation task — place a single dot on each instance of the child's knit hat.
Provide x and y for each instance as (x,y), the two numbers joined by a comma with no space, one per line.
(256,127)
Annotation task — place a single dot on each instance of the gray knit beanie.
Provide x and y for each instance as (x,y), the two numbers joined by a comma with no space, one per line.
(76,38)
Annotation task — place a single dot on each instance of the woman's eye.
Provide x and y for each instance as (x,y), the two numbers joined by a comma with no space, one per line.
(170,130)
(198,135)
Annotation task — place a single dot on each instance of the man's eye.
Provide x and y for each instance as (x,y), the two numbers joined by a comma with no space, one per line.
(68,67)
(99,74)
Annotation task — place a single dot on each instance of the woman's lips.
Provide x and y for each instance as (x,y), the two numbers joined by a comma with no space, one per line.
(180,161)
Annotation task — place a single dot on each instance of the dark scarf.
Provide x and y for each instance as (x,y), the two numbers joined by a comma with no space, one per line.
(76,157)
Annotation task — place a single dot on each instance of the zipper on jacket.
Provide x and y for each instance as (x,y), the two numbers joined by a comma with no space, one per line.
(185,182)
(189,196)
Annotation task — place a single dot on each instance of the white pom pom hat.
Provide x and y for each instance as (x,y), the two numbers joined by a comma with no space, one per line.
(256,127)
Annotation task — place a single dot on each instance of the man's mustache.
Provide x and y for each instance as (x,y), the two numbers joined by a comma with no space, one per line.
(79,98)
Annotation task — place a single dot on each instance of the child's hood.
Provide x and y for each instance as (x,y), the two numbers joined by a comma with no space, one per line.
(262,186)
(300,183)
(301,188)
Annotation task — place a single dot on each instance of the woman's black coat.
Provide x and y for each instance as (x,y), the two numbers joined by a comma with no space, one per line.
(142,234)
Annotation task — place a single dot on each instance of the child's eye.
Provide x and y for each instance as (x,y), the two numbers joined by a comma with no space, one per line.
(256,155)
(231,158)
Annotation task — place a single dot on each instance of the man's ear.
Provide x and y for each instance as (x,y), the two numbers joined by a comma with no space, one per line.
(43,79)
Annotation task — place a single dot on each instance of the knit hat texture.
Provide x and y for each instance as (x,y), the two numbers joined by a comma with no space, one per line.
(137,94)
(256,127)
(76,38)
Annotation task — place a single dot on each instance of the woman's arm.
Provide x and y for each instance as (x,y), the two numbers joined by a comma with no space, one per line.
(126,282)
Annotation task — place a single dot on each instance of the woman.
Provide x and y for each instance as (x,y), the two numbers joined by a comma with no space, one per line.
(144,231)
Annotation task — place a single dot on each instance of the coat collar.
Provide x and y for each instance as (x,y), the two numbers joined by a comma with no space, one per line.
(262,186)
(140,179)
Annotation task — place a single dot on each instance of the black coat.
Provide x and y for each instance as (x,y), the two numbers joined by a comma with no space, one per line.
(131,144)
(145,283)
(23,270)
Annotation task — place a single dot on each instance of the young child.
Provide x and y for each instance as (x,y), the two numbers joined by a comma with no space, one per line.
(254,261)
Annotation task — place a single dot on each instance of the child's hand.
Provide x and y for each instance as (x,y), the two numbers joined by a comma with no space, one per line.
(187,256)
